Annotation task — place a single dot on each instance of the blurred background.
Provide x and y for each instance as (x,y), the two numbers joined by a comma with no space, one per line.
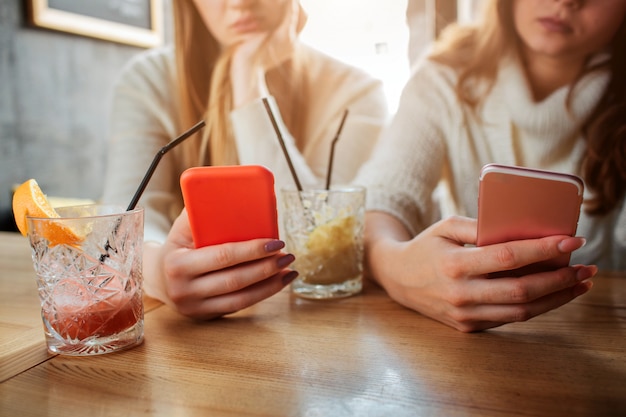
(55,83)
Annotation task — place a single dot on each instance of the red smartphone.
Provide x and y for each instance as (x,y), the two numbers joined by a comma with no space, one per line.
(229,203)
(516,203)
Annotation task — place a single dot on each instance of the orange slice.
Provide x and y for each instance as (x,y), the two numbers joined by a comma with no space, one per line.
(29,200)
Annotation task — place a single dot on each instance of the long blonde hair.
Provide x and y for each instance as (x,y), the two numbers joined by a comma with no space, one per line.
(205,90)
(476,51)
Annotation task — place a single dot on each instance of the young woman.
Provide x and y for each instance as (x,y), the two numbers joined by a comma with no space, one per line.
(537,83)
(228,55)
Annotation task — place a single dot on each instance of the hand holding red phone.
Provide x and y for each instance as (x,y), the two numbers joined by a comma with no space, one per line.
(215,280)
(206,269)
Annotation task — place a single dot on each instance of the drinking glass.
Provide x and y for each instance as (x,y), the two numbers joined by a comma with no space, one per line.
(90,287)
(324,230)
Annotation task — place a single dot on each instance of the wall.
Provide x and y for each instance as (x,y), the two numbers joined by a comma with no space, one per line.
(54,97)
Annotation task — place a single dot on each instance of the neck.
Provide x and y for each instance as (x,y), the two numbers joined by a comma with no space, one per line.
(547,74)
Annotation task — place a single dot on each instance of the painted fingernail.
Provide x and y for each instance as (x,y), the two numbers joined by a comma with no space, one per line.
(274,245)
(287,279)
(285,260)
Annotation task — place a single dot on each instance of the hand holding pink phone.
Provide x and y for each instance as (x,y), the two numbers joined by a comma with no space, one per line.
(517,203)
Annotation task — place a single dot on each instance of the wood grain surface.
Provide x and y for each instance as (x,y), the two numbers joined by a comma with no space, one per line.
(361,356)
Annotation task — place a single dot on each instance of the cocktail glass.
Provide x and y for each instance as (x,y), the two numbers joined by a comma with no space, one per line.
(324,230)
(90,282)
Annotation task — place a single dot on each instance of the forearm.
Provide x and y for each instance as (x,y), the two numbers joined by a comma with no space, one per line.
(248,82)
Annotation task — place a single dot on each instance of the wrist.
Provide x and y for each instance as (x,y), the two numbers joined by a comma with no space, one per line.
(380,258)
(153,278)
(247,82)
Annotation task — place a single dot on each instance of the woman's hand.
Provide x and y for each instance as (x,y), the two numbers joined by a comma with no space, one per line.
(437,275)
(262,51)
(215,280)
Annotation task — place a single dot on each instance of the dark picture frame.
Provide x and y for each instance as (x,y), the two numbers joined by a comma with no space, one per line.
(132,22)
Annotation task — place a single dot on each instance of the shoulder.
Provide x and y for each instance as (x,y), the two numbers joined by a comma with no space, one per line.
(149,70)
(332,71)
(156,59)
(430,77)
(431,89)
(146,91)
(335,85)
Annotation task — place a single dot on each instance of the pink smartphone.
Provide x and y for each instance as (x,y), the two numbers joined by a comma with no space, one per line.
(516,203)
(229,203)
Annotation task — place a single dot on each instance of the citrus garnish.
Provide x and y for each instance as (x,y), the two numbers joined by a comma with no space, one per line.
(29,200)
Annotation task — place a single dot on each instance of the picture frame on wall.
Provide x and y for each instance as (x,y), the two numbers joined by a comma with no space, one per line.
(132,22)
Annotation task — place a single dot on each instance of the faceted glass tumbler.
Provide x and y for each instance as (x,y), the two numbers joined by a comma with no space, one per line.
(91,287)
(324,230)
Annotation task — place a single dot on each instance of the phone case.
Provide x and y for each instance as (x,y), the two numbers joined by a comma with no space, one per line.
(516,203)
(229,203)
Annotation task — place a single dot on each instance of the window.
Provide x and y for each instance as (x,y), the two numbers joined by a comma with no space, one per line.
(369,34)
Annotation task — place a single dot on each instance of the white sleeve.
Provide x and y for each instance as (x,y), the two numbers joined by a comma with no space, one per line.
(257,143)
(142,122)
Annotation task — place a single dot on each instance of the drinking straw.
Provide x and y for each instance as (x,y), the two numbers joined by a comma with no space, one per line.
(332,149)
(282,143)
(148,175)
(158,157)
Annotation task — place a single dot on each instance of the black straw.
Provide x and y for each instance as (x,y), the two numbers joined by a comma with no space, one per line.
(156,160)
(282,143)
(332,149)
(146,178)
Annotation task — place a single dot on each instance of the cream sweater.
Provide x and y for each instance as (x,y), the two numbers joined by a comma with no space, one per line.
(144,119)
(433,138)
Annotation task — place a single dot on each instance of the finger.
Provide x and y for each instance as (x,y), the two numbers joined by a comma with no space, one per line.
(285,35)
(197,262)
(519,253)
(236,278)
(180,232)
(458,229)
(293,16)
(232,302)
(302,17)
(481,317)
(527,288)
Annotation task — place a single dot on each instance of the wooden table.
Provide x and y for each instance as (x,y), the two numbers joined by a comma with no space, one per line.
(21,331)
(364,355)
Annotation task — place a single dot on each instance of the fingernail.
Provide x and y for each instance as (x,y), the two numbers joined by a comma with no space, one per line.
(582,288)
(584,273)
(285,260)
(274,246)
(287,279)
(571,244)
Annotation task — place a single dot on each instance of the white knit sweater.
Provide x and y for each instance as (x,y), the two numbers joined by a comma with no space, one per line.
(433,138)
(144,119)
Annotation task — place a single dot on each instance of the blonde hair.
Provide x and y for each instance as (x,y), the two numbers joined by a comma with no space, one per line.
(475,50)
(475,53)
(205,90)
